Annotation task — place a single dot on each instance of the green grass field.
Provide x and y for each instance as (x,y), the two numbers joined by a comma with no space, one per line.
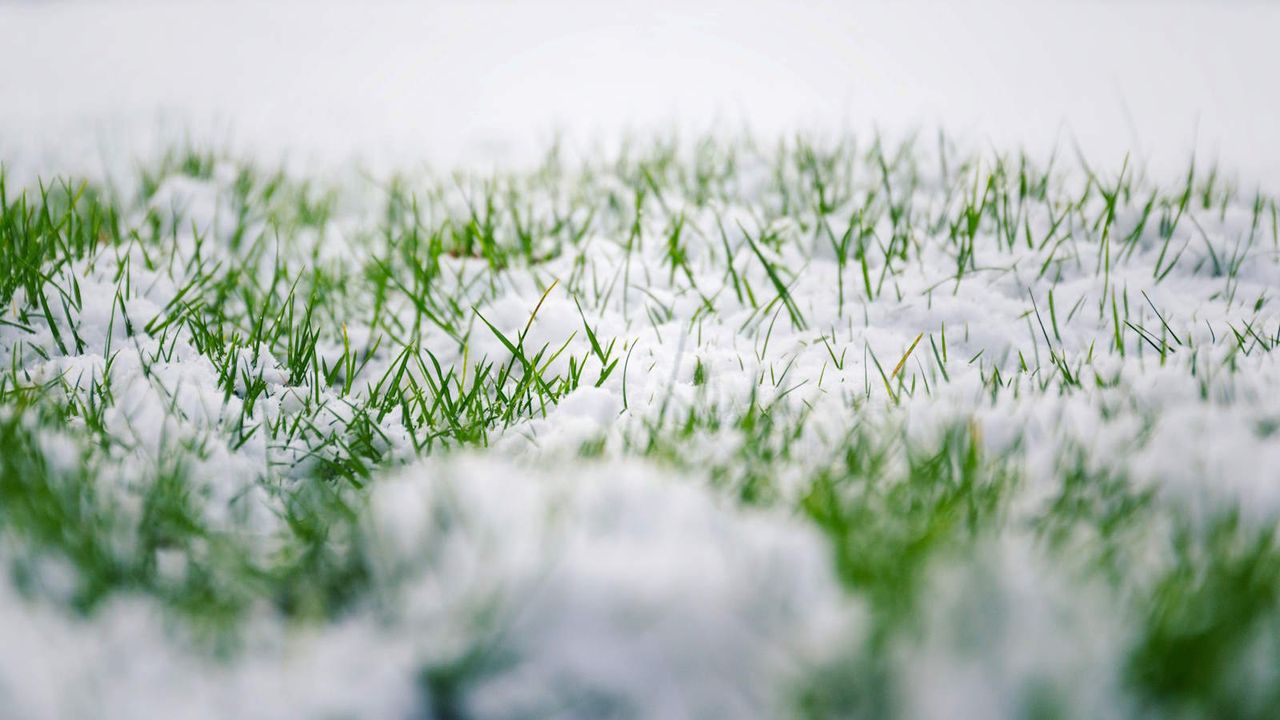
(712,428)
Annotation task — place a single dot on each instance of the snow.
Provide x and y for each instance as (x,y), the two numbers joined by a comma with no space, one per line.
(609,588)
(1012,637)
(581,588)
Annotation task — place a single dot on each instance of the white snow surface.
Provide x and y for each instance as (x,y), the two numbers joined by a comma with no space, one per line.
(620,585)
(627,585)
(597,590)
(585,587)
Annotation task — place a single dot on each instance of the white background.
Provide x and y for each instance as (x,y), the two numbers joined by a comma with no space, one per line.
(450,83)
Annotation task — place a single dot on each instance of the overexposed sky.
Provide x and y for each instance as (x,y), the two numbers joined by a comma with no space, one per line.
(448,83)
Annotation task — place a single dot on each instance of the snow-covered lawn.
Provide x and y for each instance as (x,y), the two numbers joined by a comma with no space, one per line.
(701,429)
(783,418)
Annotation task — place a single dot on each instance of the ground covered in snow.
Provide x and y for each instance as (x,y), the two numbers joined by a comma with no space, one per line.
(837,427)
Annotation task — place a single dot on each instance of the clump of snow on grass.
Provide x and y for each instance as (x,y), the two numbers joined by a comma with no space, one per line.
(1008,635)
(604,589)
(611,588)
